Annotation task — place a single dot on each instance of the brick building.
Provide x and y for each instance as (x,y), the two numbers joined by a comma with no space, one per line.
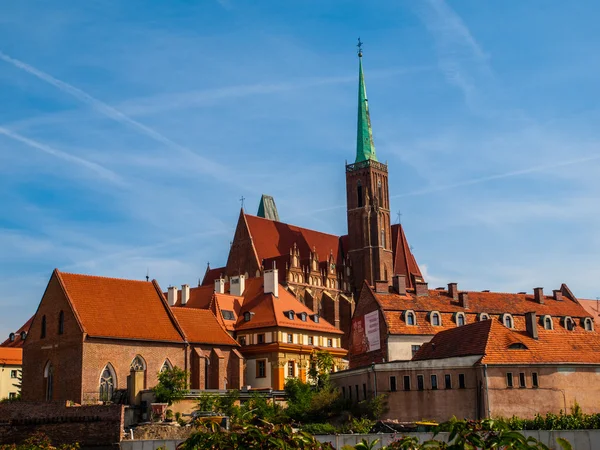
(91,336)
(486,369)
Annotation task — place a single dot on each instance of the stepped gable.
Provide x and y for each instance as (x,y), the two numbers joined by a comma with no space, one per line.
(404,260)
(201,326)
(18,342)
(499,345)
(119,308)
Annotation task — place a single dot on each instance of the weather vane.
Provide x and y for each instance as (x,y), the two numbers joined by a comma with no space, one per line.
(359,45)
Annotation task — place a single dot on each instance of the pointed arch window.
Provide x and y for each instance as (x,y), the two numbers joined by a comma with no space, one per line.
(49,381)
(410,318)
(569,324)
(166,366)
(435,319)
(61,322)
(107,383)
(507,320)
(380,193)
(460,319)
(359,194)
(383,237)
(138,364)
(588,324)
(43,332)
(547,322)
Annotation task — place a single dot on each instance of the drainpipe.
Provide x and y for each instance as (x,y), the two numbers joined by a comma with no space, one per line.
(487,391)
(374,379)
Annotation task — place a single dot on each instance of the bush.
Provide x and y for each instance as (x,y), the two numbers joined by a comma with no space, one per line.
(171,386)
(319,428)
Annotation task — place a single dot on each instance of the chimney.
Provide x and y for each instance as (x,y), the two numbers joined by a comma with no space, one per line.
(185,294)
(399,282)
(237,285)
(557,294)
(538,294)
(463,299)
(382,287)
(421,289)
(453,290)
(172,295)
(531,324)
(219,286)
(271,282)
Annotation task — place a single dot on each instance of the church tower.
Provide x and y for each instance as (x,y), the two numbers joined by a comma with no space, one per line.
(368,202)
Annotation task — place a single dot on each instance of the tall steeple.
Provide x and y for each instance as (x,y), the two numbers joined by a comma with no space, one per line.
(365,149)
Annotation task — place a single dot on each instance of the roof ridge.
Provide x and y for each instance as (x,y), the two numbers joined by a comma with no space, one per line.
(103,277)
(291,224)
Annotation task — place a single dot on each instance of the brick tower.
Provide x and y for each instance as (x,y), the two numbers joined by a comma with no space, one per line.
(368,202)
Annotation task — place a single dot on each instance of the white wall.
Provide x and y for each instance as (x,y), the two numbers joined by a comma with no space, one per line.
(6,382)
(400,347)
(251,379)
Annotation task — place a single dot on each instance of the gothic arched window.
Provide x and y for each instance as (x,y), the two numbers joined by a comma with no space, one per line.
(166,366)
(138,364)
(383,237)
(107,383)
(380,193)
(61,322)
(49,380)
(359,193)
(43,333)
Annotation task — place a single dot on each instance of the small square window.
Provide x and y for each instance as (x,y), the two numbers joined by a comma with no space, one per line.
(434,382)
(414,349)
(534,380)
(407,382)
(448,381)
(509,380)
(13,374)
(393,384)
(420,382)
(461,381)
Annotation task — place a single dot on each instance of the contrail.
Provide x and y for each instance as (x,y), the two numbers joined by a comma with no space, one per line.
(100,170)
(112,113)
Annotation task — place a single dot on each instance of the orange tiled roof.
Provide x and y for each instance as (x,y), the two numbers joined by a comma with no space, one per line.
(273,239)
(200,297)
(592,307)
(201,326)
(11,356)
(18,342)
(211,275)
(492,341)
(118,308)
(493,303)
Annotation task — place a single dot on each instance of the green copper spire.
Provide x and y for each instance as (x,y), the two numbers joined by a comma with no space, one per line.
(365,149)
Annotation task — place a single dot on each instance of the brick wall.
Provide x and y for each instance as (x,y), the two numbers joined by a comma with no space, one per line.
(242,255)
(90,426)
(63,351)
(224,363)
(366,304)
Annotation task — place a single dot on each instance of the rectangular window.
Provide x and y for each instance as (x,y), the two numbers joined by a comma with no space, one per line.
(414,349)
(448,381)
(357,395)
(461,381)
(420,382)
(290,338)
(261,368)
(407,382)
(242,340)
(393,384)
(434,382)
(509,380)
(329,342)
(261,338)
(343,392)
(291,369)
(534,379)
(364,391)
(311,340)
(13,374)
(522,380)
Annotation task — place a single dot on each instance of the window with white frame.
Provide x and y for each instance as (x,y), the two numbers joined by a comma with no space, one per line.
(460,319)
(435,318)
(410,317)
(507,320)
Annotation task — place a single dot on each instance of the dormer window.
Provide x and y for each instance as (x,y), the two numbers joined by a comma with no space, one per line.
(23,335)
(568,323)
(247,316)
(303,316)
(290,314)
(483,316)
(315,318)
(507,320)
(547,322)
(11,337)
(410,318)
(435,318)
(229,315)
(460,319)
(588,324)
(517,346)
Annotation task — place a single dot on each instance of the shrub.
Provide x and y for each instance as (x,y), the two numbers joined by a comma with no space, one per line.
(171,385)
(319,428)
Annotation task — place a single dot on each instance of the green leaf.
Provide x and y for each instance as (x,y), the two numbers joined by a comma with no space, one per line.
(564,444)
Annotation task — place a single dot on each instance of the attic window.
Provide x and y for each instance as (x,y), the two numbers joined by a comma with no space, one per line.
(547,322)
(11,337)
(410,318)
(228,315)
(247,316)
(23,335)
(290,314)
(507,320)
(588,324)
(315,318)
(568,323)
(484,316)
(435,319)
(517,346)
(460,319)
(303,316)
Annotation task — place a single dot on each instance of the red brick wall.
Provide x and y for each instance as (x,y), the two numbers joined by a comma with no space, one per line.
(366,304)
(120,353)
(63,351)
(242,257)
(93,426)
(224,363)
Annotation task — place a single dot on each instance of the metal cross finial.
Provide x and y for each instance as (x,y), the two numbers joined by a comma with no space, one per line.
(399,217)
(359,45)
(242,198)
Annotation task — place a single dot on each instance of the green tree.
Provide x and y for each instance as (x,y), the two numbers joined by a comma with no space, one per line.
(320,368)
(172,385)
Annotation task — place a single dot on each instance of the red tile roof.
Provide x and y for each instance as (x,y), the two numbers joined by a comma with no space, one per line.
(211,275)
(272,239)
(11,356)
(592,307)
(404,261)
(201,326)
(493,342)
(200,297)
(118,308)
(18,342)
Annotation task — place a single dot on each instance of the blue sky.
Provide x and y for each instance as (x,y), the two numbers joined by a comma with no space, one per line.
(130,129)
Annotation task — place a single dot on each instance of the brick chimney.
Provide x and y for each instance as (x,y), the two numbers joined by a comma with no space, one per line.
(219,286)
(538,295)
(557,294)
(185,294)
(172,295)
(271,282)
(531,324)
(421,289)
(399,282)
(237,285)
(453,290)
(463,299)
(382,287)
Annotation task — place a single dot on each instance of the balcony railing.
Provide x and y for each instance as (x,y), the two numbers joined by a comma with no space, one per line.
(364,164)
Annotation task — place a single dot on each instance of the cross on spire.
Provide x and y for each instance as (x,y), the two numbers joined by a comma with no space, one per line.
(359,45)
(242,198)
(399,215)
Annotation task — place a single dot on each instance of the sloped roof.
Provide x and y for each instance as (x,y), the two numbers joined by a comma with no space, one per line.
(11,356)
(592,307)
(201,326)
(404,260)
(212,274)
(492,341)
(273,239)
(200,297)
(119,308)
(18,342)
